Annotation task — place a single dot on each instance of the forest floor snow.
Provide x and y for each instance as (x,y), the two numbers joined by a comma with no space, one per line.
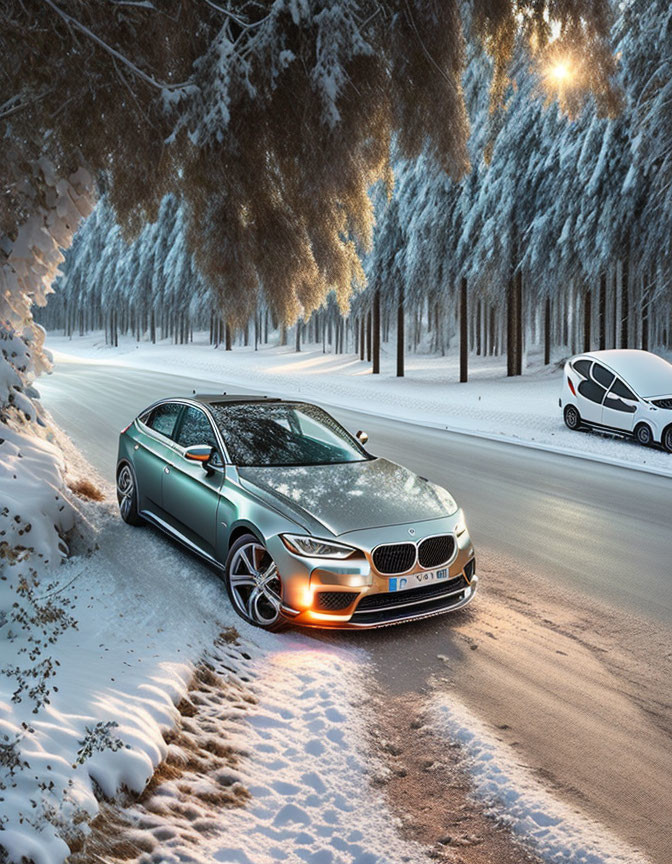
(520,410)
(258,738)
(234,745)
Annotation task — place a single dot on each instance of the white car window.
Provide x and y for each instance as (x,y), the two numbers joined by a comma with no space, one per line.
(620,389)
(603,376)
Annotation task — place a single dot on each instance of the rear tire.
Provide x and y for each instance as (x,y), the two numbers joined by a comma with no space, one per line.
(127,495)
(253,584)
(572,418)
(667,439)
(643,435)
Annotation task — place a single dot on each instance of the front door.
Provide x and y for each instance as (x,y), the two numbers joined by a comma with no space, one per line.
(620,407)
(191,494)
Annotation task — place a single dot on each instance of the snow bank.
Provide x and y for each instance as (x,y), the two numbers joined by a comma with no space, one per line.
(517,410)
(147,613)
(557,832)
(302,760)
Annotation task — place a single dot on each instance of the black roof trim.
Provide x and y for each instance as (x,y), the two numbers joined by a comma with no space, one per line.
(223,398)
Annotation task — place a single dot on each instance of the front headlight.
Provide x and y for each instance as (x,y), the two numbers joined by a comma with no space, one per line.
(313,547)
(461,524)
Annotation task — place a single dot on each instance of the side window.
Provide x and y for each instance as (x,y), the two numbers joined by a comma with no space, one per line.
(582,367)
(603,376)
(617,394)
(590,390)
(195,428)
(622,390)
(164,418)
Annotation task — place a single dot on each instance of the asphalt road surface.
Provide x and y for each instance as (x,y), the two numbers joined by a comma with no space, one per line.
(566,650)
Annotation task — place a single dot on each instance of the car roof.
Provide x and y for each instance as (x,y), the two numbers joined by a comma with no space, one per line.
(648,374)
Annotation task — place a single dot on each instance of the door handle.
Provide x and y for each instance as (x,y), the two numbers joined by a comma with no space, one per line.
(166,470)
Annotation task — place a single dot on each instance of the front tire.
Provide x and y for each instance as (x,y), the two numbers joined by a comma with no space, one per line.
(572,418)
(127,495)
(667,439)
(253,584)
(644,435)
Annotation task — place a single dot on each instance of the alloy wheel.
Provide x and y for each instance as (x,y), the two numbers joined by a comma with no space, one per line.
(667,439)
(643,434)
(572,417)
(125,491)
(255,584)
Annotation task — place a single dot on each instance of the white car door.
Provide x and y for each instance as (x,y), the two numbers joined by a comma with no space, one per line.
(592,389)
(620,407)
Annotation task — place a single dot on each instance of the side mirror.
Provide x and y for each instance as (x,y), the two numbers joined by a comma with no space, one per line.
(200,453)
(362,437)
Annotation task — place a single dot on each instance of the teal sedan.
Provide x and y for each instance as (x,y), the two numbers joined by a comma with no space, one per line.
(303,523)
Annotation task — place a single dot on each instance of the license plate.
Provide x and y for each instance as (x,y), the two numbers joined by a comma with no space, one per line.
(416,580)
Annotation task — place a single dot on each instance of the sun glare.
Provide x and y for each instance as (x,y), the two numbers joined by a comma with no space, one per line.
(560,72)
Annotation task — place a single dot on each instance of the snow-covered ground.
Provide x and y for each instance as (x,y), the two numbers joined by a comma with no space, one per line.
(268,761)
(557,832)
(147,614)
(520,410)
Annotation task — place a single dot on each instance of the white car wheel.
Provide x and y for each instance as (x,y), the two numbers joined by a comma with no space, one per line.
(643,434)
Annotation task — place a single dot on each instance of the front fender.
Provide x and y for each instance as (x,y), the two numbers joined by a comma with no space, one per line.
(238,509)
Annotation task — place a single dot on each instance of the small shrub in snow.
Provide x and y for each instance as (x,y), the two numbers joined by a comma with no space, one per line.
(97,739)
(11,759)
(86,489)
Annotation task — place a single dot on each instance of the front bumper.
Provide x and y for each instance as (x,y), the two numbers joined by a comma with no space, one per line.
(350,594)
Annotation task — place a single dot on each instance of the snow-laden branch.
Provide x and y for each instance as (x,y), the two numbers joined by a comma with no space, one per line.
(149,79)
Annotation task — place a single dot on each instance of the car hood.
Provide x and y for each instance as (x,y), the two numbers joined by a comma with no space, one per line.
(350,496)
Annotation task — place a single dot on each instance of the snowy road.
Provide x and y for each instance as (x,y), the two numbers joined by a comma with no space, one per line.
(566,652)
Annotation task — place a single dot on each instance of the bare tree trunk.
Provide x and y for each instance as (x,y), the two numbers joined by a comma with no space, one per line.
(519,322)
(625,302)
(464,332)
(368,337)
(587,315)
(376,332)
(298,337)
(645,312)
(227,336)
(509,328)
(603,311)
(547,330)
(362,337)
(400,333)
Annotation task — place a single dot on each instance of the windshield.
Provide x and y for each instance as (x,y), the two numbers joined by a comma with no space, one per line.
(284,433)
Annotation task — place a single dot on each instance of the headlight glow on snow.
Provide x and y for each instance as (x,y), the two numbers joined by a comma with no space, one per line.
(314,547)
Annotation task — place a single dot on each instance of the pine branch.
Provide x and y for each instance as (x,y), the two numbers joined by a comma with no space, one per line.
(148,79)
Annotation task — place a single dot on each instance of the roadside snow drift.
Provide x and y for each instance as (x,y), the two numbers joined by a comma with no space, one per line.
(550,827)
(297,733)
(147,614)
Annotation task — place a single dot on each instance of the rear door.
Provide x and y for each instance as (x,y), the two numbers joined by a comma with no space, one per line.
(592,390)
(190,494)
(620,407)
(154,453)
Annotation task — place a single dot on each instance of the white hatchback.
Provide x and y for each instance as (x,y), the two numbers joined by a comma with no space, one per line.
(624,391)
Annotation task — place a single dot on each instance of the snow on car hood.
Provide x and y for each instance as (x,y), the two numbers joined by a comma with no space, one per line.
(352,495)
